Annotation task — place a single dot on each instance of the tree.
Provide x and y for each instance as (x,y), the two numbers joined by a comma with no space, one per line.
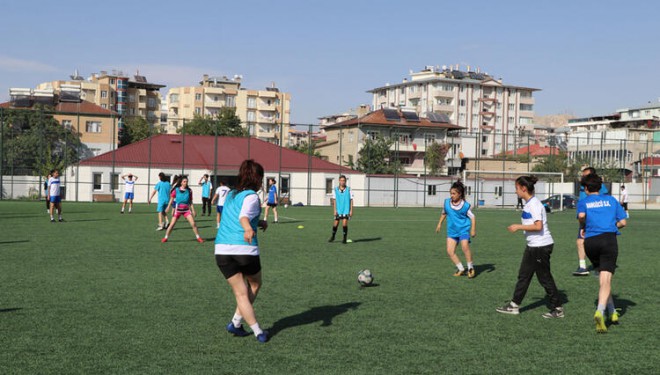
(34,142)
(305,148)
(135,129)
(552,163)
(375,157)
(225,123)
(435,157)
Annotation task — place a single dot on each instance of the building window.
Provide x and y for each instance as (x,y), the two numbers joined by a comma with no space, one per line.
(93,126)
(328,185)
(475,103)
(499,105)
(461,102)
(104,106)
(284,185)
(252,116)
(198,97)
(112,81)
(431,189)
(444,101)
(230,101)
(114,181)
(462,88)
(104,94)
(512,107)
(97,179)
(252,102)
(525,94)
(461,117)
(174,98)
(526,107)
(373,134)
(484,138)
(468,190)
(198,110)
(403,138)
(498,191)
(525,121)
(429,138)
(512,119)
(403,90)
(151,103)
(475,118)
(67,124)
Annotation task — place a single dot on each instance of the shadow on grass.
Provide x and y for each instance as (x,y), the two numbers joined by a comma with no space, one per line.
(11,309)
(620,304)
(545,301)
(323,314)
(483,268)
(10,242)
(285,222)
(368,239)
(83,220)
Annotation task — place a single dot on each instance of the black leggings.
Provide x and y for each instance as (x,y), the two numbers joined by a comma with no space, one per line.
(536,260)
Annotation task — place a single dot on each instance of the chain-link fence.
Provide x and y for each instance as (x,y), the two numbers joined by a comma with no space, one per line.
(389,166)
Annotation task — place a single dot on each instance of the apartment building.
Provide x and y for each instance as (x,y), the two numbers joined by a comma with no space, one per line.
(472,99)
(114,91)
(265,113)
(411,134)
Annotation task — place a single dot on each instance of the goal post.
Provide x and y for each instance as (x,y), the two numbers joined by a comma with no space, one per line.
(497,188)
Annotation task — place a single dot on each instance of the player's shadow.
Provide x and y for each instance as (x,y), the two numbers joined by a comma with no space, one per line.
(83,220)
(621,304)
(286,222)
(483,268)
(368,239)
(10,242)
(545,301)
(323,314)
(11,309)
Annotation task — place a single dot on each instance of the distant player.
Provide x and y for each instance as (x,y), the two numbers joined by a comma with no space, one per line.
(624,200)
(600,218)
(129,191)
(182,197)
(271,202)
(162,188)
(206,193)
(237,248)
(536,258)
(342,202)
(220,196)
(582,258)
(54,195)
(461,225)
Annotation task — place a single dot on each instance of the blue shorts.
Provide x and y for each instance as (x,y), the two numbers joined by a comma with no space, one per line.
(460,238)
(128,196)
(55,199)
(162,207)
(219,209)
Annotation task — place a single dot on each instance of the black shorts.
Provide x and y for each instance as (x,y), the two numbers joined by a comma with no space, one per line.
(603,251)
(230,265)
(625,206)
(271,204)
(342,217)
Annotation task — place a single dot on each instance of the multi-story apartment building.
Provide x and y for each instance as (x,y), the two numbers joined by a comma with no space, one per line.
(411,135)
(483,105)
(265,113)
(128,96)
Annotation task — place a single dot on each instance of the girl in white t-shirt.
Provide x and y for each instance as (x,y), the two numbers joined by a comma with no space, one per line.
(536,258)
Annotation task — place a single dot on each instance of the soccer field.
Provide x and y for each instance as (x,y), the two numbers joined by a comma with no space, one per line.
(101,294)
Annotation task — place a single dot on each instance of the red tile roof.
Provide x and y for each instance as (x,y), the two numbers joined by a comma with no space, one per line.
(83,108)
(168,151)
(378,118)
(535,150)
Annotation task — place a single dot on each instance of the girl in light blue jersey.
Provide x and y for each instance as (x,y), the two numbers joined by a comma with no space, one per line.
(461,225)
(342,201)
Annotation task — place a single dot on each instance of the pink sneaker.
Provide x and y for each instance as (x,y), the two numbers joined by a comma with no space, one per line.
(200,240)
(163,240)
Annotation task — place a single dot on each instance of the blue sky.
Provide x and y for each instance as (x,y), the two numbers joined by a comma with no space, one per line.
(588,57)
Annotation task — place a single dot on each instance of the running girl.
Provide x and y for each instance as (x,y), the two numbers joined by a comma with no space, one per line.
(461,225)
(183,199)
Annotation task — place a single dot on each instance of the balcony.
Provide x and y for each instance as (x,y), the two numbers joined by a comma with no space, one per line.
(446,108)
(526,100)
(489,99)
(264,106)
(214,103)
(442,93)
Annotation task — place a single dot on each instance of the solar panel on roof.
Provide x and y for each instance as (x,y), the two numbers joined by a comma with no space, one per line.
(410,116)
(391,114)
(457,74)
(438,117)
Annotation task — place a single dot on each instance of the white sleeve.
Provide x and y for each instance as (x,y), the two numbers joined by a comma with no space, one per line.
(470,214)
(537,211)
(251,207)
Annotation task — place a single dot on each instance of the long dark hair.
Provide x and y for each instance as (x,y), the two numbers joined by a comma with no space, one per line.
(250,176)
(527,182)
(460,188)
(176,182)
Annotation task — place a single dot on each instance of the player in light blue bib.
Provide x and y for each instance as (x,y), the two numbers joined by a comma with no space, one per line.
(461,225)
(342,201)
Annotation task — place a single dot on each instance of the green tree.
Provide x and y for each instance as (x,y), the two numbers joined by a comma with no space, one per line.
(306,149)
(225,123)
(552,163)
(375,157)
(34,142)
(435,157)
(135,129)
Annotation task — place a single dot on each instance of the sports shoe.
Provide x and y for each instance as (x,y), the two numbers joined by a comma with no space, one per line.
(160,228)
(600,322)
(471,273)
(263,337)
(581,272)
(200,240)
(508,309)
(460,273)
(163,240)
(240,331)
(122,212)
(614,317)
(60,220)
(557,312)
(343,240)
(52,220)
(332,239)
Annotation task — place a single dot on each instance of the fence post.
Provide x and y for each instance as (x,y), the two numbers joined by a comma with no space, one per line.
(310,148)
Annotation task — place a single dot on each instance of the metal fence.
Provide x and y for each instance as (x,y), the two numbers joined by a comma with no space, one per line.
(34,142)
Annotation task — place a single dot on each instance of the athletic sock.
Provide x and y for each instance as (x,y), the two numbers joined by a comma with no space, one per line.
(470,265)
(345,229)
(610,308)
(583,263)
(197,235)
(334,230)
(236,320)
(166,236)
(601,308)
(51,217)
(460,267)
(256,329)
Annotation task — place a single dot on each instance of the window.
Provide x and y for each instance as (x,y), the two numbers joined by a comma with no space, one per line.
(112,81)
(461,102)
(468,190)
(484,152)
(431,189)
(484,138)
(252,102)
(198,97)
(525,94)
(526,121)
(512,119)
(461,117)
(284,185)
(67,124)
(498,191)
(131,98)
(373,134)
(447,88)
(444,101)
(230,101)
(499,105)
(97,179)
(403,90)
(104,94)
(429,138)
(328,185)
(174,98)
(252,116)
(152,102)
(526,107)
(462,88)
(114,181)
(475,103)
(402,137)
(198,110)
(93,126)
(512,107)
(104,106)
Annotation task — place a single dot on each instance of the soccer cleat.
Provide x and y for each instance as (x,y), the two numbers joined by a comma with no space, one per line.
(332,239)
(200,240)
(163,240)
(557,312)
(61,220)
(160,228)
(471,273)
(263,337)
(581,272)
(460,273)
(240,332)
(52,220)
(122,212)
(614,317)
(343,240)
(508,309)
(600,322)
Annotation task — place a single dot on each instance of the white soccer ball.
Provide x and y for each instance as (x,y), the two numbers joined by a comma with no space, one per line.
(365,277)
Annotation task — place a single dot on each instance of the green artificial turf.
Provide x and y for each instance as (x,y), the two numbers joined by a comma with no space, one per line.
(100,294)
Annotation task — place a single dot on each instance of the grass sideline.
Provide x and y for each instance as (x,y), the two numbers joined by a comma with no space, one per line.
(100,294)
